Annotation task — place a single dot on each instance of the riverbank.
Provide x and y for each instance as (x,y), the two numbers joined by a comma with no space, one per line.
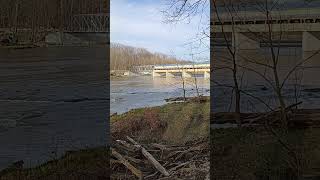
(23,39)
(261,151)
(174,124)
(176,135)
(74,165)
(44,45)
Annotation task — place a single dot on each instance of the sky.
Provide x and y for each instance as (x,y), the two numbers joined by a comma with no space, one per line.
(140,23)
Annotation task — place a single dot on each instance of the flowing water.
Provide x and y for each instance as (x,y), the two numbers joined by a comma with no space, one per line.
(303,84)
(146,91)
(51,100)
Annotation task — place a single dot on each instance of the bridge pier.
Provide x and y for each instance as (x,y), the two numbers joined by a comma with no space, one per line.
(310,43)
(155,74)
(207,74)
(185,74)
(168,74)
(242,41)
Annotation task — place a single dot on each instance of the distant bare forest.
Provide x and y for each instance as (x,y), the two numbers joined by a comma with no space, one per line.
(46,14)
(124,57)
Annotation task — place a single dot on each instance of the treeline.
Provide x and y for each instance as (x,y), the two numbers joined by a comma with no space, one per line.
(124,57)
(46,14)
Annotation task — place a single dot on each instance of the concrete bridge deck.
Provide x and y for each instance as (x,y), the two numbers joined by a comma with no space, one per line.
(247,30)
(186,71)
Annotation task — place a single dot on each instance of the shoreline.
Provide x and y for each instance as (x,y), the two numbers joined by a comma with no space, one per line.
(53,85)
(36,45)
(73,164)
(94,154)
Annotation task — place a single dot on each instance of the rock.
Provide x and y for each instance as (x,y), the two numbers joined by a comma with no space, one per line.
(18,165)
(8,39)
(5,41)
(264,88)
(58,38)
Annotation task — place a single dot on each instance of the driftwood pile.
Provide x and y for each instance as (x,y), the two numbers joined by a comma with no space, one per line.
(201,99)
(297,118)
(132,160)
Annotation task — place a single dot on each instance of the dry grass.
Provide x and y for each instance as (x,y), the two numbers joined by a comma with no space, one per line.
(175,122)
(84,164)
(252,154)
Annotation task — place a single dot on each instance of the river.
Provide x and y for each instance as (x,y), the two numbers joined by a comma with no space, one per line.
(146,91)
(302,85)
(51,100)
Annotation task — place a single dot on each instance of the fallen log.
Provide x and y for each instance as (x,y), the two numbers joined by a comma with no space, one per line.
(152,160)
(126,163)
(188,164)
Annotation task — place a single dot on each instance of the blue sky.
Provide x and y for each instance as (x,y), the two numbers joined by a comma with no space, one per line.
(140,23)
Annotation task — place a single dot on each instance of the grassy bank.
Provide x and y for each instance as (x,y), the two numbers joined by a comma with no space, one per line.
(83,164)
(175,134)
(256,153)
(174,122)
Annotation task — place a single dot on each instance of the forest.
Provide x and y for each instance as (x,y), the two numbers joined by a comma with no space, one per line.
(46,14)
(123,57)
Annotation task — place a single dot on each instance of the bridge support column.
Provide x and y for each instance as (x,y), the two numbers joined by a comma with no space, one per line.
(155,74)
(168,74)
(243,42)
(207,74)
(310,43)
(185,74)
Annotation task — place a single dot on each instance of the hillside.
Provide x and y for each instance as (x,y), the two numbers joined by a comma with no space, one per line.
(123,57)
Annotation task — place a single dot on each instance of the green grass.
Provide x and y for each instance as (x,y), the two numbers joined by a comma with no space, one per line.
(174,122)
(82,164)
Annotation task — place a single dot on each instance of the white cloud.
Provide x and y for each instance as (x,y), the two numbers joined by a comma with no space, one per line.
(141,24)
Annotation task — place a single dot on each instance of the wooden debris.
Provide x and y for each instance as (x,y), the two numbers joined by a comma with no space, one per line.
(125,162)
(297,118)
(153,161)
(160,161)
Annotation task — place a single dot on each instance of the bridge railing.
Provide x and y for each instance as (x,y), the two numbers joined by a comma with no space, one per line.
(308,20)
(245,17)
(89,23)
(185,66)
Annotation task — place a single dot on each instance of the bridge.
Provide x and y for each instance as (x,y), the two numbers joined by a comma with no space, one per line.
(185,71)
(143,69)
(56,21)
(248,30)
(88,23)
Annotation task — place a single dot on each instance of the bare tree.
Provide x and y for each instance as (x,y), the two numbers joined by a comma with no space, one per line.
(233,55)
(268,68)
(125,57)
